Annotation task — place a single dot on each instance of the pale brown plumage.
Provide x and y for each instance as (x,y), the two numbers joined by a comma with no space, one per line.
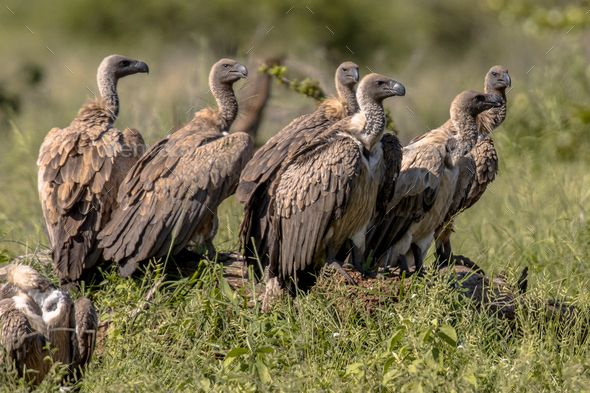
(484,153)
(260,172)
(170,196)
(80,169)
(325,193)
(33,314)
(431,168)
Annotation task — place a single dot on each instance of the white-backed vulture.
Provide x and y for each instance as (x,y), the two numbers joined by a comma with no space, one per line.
(497,80)
(33,313)
(80,169)
(431,168)
(260,172)
(325,193)
(171,195)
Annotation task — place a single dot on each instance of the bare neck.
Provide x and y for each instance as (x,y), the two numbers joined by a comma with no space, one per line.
(107,86)
(466,126)
(374,121)
(347,96)
(227,104)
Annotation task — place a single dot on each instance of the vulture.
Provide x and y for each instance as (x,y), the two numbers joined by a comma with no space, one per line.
(170,196)
(432,168)
(497,80)
(33,314)
(325,193)
(260,172)
(80,169)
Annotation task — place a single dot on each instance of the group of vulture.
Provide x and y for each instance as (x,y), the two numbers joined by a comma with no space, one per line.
(332,188)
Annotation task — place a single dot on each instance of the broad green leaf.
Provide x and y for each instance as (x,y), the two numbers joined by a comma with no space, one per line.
(448,334)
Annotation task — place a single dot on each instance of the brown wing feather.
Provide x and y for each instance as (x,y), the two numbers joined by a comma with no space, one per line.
(416,189)
(392,157)
(261,171)
(271,155)
(312,193)
(79,173)
(171,194)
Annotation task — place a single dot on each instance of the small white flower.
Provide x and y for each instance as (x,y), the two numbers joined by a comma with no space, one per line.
(336,334)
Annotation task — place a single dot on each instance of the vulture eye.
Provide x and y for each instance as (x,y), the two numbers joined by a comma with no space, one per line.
(125,63)
(380,83)
(226,65)
(345,69)
(494,73)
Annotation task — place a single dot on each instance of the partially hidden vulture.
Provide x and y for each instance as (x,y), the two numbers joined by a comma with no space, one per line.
(170,196)
(497,80)
(325,193)
(261,171)
(80,169)
(40,322)
(432,167)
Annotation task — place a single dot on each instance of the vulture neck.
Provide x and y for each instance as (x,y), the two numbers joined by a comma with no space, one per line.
(466,126)
(492,118)
(374,121)
(347,96)
(107,86)
(227,103)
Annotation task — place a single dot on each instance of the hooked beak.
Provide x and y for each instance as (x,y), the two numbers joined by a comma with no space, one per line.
(397,88)
(507,80)
(140,66)
(240,70)
(354,74)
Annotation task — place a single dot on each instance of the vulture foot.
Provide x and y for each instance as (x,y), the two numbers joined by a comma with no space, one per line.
(338,267)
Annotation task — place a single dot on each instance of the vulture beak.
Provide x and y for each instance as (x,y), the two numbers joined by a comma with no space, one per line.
(354,74)
(140,66)
(507,80)
(241,70)
(397,88)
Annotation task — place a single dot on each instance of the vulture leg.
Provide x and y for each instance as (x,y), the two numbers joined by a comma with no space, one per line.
(443,252)
(338,267)
(272,292)
(403,266)
(418,259)
(210,251)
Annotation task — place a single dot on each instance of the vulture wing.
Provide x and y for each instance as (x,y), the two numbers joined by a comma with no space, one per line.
(267,160)
(312,193)
(175,188)
(416,189)
(392,157)
(78,180)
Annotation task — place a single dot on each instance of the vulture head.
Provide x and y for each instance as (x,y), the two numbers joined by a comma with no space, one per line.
(347,74)
(117,66)
(24,277)
(497,79)
(56,310)
(474,103)
(227,71)
(376,87)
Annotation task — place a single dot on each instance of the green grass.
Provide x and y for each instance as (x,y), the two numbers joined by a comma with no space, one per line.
(199,335)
